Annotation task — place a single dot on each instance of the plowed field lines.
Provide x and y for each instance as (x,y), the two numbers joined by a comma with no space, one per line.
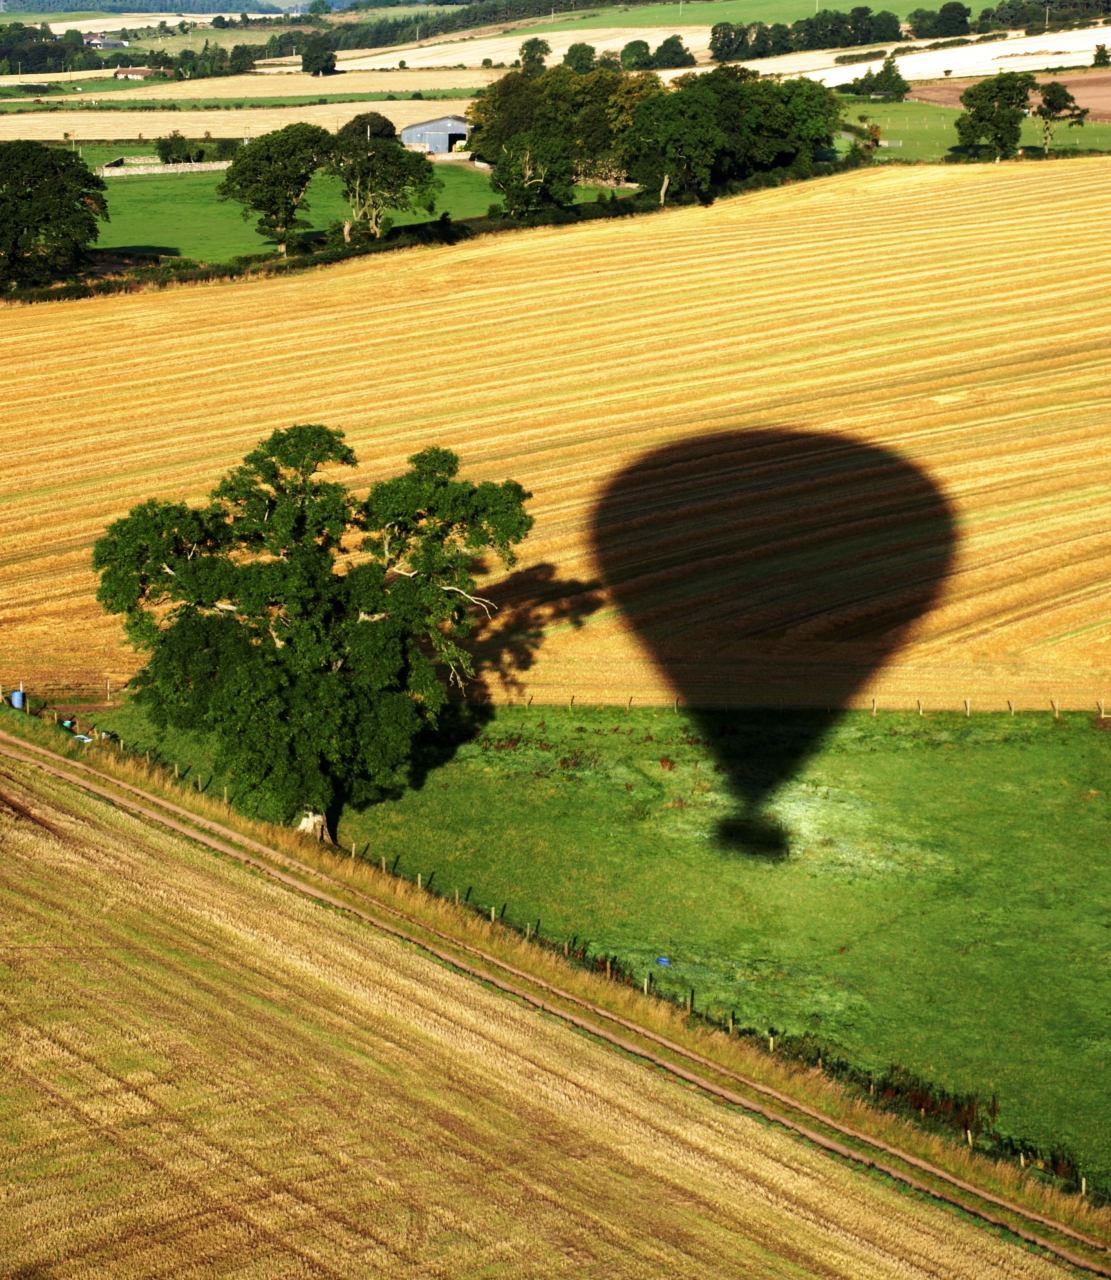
(216,1072)
(925,312)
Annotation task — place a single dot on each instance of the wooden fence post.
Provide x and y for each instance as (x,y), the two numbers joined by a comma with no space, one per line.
(1101,715)
(645,984)
(968,706)
(629,705)
(1011,705)
(418,879)
(873,706)
(1056,708)
(919,706)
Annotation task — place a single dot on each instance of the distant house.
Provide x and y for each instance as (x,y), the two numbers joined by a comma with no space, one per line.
(137,73)
(101,41)
(436,136)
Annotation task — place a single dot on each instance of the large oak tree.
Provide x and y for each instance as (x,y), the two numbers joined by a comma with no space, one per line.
(302,627)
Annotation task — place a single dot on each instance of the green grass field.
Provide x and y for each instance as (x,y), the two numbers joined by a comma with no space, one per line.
(181,215)
(928,132)
(945,905)
(696,13)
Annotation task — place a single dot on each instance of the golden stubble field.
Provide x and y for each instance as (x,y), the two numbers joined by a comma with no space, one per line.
(936,312)
(90,125)
(206,1073)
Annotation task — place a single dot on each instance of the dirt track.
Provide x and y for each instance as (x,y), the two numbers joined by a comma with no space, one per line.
(1091,90)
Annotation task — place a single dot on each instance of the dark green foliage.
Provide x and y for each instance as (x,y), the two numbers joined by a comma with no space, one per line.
(952,20)
(725,126)
(636,56)
(533,52)
(887,81)
(580,57)
(728,43)
(271,174)
(1102,58)
(573,110)
(312,672)
(378,173)
(532,173)
(318,58)
(1057,106)
(672,53)
(994,111)
(178,150)
(50,202)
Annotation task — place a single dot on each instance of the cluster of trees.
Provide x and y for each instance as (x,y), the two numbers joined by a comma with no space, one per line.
(888,82)
(994,109)
(545,130)
(178,150)
(29,51)
(271,175)
(941,24)
(637,55)
(1022,13)
(50,206)
(828,29)
(313,675)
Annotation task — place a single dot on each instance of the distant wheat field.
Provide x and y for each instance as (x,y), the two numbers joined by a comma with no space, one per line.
(206,1074)
(936,317)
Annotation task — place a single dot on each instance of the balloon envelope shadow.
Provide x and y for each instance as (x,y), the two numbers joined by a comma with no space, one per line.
(771,573)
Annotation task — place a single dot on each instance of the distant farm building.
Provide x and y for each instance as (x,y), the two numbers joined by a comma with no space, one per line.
(436,136)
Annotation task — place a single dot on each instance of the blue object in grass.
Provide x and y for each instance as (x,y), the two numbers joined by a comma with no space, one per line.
(17,699)
(662,960)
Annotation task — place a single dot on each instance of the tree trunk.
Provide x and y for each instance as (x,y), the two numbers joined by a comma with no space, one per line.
(315,825)
(346,232)
(664,187)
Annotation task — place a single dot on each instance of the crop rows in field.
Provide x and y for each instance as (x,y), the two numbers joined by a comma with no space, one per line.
(899,317)
(217,1069)
(92,125)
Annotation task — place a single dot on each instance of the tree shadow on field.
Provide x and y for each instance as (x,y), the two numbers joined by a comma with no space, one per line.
(771,573)
(504,646)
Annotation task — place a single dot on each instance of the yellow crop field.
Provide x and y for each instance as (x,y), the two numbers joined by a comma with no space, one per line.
(841,440)
(206,1073)
(295,83)
(90,125)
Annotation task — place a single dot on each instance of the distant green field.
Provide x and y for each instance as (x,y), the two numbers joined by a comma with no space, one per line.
(928,132)
(182,214)
(698,13)
(945,904)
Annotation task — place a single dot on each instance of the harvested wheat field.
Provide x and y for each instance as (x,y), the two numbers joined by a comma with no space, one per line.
(290,84)
(207,1073)
(90,125)
(904,335)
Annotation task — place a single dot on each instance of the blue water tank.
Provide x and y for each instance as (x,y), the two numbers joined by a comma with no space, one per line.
(17,699)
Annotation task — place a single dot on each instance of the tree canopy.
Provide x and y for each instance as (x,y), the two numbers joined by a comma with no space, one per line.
(697,138)
(300,626)
(318,58)
(50,204)
(1056,107)
(270,176)
(378,173)
(993,111)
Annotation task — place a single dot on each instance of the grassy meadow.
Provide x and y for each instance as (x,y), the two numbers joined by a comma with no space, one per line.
(928,133)
(207,1074)
(182,215)
(943,904)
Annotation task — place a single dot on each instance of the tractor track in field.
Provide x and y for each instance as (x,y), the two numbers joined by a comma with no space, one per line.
(233,844)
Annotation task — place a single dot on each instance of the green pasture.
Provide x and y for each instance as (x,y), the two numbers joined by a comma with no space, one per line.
(945,903)
(697,13)
(928,132)
(182,215)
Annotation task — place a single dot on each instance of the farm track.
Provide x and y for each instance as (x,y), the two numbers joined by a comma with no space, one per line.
(645,1044)
(890,308)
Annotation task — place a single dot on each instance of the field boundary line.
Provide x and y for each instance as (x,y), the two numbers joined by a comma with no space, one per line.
(628,1046)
